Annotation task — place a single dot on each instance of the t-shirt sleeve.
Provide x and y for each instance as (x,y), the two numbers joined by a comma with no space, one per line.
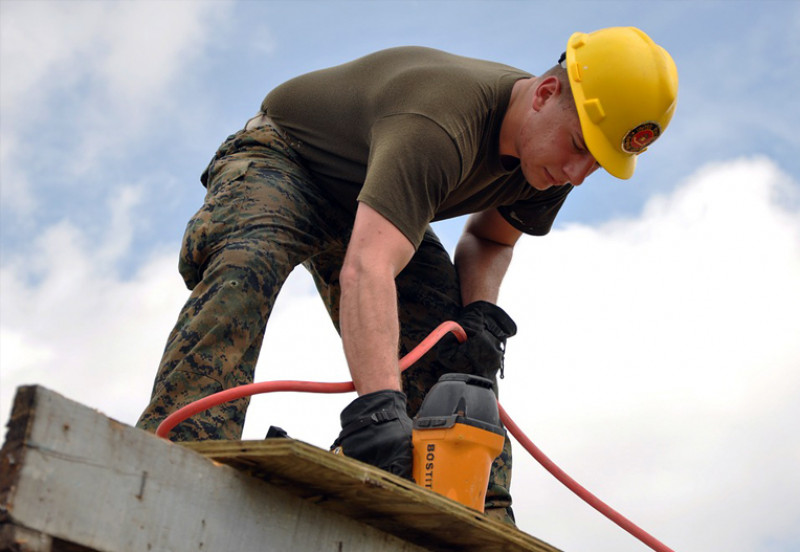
(535,215)
(413,165)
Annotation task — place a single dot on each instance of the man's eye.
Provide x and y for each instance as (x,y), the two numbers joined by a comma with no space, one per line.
(580,147)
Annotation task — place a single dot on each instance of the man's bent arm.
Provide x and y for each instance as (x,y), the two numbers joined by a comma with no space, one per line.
(483,255)
(368,316)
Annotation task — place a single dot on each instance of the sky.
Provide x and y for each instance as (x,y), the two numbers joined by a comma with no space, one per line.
(658,354)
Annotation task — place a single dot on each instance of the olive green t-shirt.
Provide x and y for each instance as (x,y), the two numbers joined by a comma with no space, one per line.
(414,133)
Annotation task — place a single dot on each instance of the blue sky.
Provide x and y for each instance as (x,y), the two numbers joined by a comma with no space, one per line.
(657,359)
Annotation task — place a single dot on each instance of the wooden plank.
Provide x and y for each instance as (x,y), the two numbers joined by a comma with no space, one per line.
(73,479)
(373,496)
(70,474)
(14,538)
(19,539)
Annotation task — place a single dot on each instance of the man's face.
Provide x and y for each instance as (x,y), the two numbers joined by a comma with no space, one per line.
(550,144)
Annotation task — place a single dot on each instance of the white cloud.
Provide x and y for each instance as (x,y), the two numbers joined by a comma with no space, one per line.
(657,359)
(128,52)
(71,322)
(658,363)
(101,71)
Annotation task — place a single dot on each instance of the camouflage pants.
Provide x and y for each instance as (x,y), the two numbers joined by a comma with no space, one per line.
(262,216)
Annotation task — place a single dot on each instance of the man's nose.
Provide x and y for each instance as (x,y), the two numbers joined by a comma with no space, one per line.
(579,167)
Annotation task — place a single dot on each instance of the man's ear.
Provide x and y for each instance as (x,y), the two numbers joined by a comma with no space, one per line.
(548,89)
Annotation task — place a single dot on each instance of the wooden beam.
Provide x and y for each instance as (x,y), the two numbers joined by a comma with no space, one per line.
(73,479)
(74,476)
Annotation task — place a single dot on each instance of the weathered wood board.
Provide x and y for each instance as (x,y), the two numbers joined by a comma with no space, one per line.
(72,479)
(375,497)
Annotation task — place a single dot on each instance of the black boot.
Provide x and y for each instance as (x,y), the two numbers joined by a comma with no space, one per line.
(376,429)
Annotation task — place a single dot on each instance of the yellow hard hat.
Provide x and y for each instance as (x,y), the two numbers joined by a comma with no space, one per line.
(625,88)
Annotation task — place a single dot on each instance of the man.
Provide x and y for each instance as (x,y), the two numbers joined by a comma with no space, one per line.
(344,169)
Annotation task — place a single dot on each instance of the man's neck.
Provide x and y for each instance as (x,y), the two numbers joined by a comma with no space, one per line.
(517,108)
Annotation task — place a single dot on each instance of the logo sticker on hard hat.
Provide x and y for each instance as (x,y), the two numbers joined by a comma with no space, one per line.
(640,137)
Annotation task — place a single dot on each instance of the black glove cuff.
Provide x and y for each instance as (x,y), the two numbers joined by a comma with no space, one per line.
(371,409)
(376,429)
(494,318)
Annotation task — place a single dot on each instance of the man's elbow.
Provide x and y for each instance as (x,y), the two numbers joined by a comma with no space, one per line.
(359,271)
(352,274)
(490,227)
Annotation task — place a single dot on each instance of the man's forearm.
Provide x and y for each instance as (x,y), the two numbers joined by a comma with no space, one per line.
(481,264)
(368,306)
(370,332)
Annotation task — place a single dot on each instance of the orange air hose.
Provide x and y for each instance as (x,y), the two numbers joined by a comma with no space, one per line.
(579,489)
(301,386)
(413,356)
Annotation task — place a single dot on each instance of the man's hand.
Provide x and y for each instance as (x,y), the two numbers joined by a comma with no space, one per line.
(376,429)
(487,327)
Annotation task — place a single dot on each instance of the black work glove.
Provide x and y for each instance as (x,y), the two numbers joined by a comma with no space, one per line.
(487,327)
(376,429)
